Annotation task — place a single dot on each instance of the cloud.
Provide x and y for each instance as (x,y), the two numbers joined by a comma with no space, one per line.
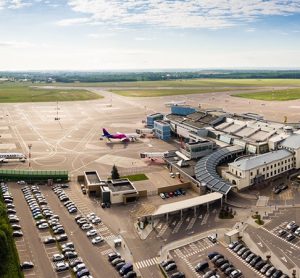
(16,44)
(212,14)
(74,21)
(13,4)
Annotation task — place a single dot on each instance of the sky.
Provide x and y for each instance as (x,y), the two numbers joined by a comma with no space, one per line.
(148,34)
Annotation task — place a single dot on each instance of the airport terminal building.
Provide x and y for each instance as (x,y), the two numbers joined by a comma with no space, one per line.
(253,149)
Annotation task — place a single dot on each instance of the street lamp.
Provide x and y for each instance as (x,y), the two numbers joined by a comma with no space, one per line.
(29,154)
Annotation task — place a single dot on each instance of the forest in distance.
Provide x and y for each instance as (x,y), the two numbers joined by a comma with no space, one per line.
(127,76)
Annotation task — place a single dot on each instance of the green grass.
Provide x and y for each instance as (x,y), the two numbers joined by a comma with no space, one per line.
(136,177)
(10,264)
(164,92)
(17,92)
(214,82)
(280,95)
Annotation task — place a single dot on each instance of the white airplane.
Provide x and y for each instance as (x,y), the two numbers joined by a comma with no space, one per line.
(123,137)
(5,157)
(173,102)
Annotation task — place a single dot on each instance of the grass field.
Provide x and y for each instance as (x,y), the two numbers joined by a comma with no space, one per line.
(9,258)
(280,95)
(15,92)
(137,177)
(165,92)
(211,83)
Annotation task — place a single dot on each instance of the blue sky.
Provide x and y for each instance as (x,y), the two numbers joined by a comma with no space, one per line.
(148,34)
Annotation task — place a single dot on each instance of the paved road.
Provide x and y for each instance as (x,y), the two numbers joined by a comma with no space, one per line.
(287,253)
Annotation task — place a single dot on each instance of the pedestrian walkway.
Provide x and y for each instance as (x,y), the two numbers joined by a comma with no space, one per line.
(146,263)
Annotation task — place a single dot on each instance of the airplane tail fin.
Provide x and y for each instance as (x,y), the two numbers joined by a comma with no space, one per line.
(106,133)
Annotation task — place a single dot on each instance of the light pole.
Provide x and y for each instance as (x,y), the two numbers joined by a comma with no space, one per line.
(29,154)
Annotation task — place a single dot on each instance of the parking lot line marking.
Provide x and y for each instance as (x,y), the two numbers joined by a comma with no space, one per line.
(177,227)
(191,224)
(292,244)
(205,218)
(245,263)
(163,230)
(107,251)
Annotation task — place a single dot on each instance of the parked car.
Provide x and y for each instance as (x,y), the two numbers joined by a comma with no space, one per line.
(265,268)
(290,225)
(91,233)
(26,265)
(61,266)
(71,255)
(132,274)
(270,271)
(97,240)
(281,233)
(49,240)
(170,267)
(113,255)
(16,227)
(201,266)
(17,233)
(290,237)
(212,254)
(167,262)
(162,195)
(57,257)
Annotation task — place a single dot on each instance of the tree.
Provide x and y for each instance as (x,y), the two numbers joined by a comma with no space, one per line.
(115,173)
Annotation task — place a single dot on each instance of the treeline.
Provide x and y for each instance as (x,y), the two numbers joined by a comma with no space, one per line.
(9,260)
(70,77)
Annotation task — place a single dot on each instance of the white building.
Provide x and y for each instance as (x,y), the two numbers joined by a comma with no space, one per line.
(248,171)
(292,143)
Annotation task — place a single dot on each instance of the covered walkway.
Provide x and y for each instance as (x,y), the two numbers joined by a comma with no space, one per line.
(206,172)
(186,204)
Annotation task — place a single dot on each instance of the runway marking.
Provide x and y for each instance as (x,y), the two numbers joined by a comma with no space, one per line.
(146,263)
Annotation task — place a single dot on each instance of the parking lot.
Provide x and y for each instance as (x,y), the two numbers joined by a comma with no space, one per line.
(32,248)
(277,225)
(188,256)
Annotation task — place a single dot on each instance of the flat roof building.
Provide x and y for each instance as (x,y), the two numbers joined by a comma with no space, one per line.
(248,171)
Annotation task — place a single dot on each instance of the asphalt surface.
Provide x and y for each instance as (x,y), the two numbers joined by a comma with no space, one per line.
(91,255)
(188,256)
(35,247)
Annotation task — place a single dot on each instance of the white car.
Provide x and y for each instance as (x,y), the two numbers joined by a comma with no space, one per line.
(79,267)
(21,182)
(92,232)
(92,214)
(97,240)
(96,220)
(162,195)
(61,266)
(43,226)
(86,226)
(297,232)
(57,257)
(290,225)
